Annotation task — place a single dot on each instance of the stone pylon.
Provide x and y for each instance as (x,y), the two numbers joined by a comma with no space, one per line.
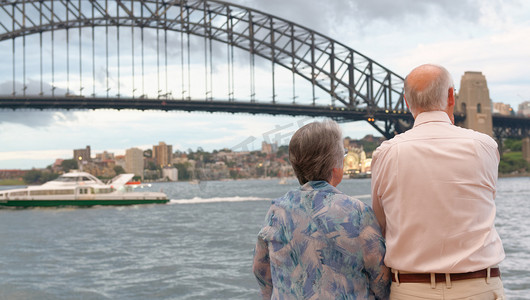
(526,149)
(473,99)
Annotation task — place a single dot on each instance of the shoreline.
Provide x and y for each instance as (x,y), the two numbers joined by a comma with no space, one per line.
(10,182)
(508,175)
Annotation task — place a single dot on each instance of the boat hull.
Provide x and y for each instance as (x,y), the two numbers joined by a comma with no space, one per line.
(88,202)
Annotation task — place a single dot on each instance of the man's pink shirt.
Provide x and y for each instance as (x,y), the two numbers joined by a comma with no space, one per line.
(433,191)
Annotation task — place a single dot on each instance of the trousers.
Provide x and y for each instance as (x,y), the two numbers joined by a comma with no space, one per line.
(470,289)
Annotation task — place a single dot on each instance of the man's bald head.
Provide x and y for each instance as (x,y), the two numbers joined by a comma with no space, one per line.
(427,88)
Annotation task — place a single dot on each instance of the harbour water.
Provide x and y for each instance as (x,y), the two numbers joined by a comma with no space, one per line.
(199,246)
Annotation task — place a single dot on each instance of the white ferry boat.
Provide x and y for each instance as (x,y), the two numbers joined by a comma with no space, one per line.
(80,189)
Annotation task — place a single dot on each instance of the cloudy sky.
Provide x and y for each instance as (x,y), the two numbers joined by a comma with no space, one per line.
(490,36)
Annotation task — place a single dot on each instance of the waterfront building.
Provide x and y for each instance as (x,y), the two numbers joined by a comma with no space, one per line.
(502,109)
(120,161)
(524,109)
(163,154)
(81,155)
(104,156)
(172,174)
(11,174)
(134,162)
(355,161)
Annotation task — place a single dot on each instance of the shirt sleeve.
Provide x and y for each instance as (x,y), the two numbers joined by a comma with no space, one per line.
(262,269)
(376,201)
(374,253)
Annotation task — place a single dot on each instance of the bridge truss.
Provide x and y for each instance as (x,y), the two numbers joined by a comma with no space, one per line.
(358,87)
(92,54)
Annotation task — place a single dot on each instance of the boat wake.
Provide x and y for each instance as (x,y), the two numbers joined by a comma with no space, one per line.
(198,200)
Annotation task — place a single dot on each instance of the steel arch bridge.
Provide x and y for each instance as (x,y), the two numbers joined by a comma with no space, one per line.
(358,87)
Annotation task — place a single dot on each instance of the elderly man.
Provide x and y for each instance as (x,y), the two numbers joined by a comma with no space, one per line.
(433,190)
(318,243)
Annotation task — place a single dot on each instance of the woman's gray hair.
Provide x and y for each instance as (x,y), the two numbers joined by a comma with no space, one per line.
(431,97)
(315,149)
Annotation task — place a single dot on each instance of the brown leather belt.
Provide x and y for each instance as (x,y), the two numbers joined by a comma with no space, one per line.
(426,277)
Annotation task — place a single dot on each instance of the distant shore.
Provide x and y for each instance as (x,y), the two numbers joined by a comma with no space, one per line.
(508,175)
(14,182)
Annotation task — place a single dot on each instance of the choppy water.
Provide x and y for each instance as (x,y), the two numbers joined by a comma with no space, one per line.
(199,246)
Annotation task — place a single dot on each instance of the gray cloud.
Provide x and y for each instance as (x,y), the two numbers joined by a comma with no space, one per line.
(324,16)
(30,117)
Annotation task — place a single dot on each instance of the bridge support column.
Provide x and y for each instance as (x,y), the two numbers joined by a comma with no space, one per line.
(474,100)
(526,149)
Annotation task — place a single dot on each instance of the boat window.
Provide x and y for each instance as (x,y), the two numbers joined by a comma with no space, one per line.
(41,192)
(103,191)
(22,193)
(50,192)
(66,179)
(63,192)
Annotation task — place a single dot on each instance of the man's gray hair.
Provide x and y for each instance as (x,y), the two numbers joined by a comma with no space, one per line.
(432,96)
(315,149)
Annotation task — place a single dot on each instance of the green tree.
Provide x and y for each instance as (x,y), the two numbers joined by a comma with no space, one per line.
(68,164)
(183,171)
(38,177)
(282,150)
(119,170)
(514,145)
(151,166)
(32,176)
(513,162)
(234,174)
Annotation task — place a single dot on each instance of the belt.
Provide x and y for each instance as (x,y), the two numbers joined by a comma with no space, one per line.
(440,277)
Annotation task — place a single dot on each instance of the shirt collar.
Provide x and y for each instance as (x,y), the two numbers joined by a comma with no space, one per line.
(432,116)
(319,185)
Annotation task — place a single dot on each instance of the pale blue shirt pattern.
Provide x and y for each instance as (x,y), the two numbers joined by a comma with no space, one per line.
(318,243)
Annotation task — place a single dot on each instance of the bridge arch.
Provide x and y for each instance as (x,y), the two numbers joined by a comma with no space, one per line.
(354,82)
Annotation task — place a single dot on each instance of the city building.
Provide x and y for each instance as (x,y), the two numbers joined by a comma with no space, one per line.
(134,162)
(524,109)
(163,154)
(172,174)
(355,161)
(10,174)
(120,161)
(269,148)
(104,156)
(502,109)
(57,165)
(82,154)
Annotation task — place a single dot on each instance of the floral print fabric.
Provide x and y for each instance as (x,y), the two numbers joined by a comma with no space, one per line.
(318,243)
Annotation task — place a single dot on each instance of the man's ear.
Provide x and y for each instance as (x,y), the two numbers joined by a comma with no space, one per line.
(451,97)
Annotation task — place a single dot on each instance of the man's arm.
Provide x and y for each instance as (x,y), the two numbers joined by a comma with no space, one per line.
(262,269)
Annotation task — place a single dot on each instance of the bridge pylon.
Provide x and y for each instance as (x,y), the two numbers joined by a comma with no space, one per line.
(474,101)
(526,149)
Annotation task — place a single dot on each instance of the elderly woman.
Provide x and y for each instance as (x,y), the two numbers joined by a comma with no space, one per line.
(318,243)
